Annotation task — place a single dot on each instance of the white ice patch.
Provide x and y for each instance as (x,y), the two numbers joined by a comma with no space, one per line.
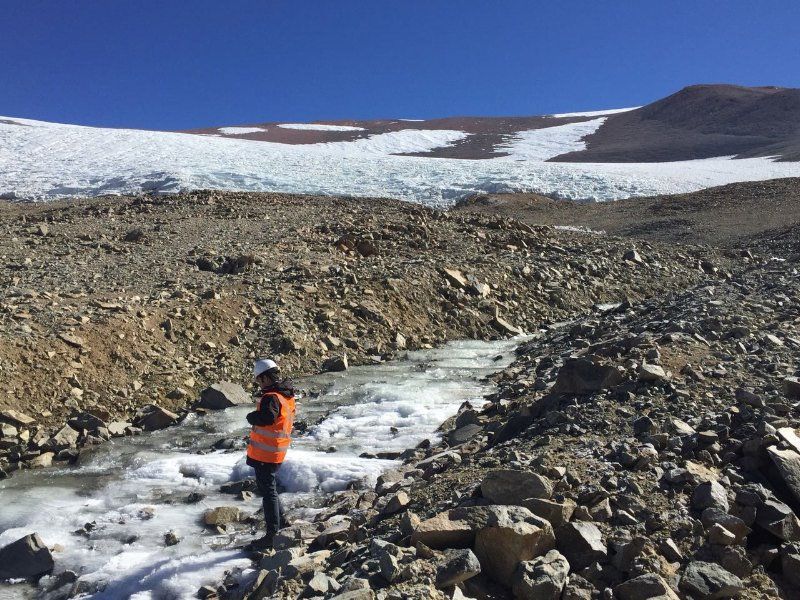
(307,471)
(320,127)
(48,160)
(240,130)
(595,113)
(543,144)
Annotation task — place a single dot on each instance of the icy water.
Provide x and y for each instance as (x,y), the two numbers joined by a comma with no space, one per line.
(134,489)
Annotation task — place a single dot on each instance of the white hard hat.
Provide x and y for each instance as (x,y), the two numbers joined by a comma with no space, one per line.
(262,365)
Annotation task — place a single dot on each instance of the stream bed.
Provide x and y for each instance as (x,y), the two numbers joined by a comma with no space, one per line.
(135,489)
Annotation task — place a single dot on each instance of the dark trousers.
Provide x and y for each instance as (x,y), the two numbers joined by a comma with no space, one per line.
(267,485)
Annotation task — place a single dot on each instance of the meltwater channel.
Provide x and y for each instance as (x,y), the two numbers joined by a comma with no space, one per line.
(134,489)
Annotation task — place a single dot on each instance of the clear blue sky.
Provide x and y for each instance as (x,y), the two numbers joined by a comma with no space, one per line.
(180,64)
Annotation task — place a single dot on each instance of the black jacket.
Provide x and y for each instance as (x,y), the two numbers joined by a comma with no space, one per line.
(271,406)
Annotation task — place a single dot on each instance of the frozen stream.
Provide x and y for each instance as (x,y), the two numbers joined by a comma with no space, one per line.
(135,489)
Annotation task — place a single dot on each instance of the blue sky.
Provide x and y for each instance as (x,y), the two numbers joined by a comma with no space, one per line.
(175,65)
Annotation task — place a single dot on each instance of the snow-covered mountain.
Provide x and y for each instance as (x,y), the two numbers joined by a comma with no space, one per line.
(431,161)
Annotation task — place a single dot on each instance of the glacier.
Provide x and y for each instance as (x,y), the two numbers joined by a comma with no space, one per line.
(44,161)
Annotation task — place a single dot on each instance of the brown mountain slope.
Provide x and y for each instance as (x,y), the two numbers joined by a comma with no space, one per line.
(700,121)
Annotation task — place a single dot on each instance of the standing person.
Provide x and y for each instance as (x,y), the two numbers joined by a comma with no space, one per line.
(270,438)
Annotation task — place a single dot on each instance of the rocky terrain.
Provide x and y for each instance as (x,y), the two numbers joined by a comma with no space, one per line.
(641,445)
(738,215)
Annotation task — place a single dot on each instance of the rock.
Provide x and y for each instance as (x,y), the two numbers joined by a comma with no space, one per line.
(319,585)
(778,518)
(791,387)
(507,486)
(464,434)
(207,592)
(732,523)
(223,395)
(788,464)
(389,567)
(27,558)
(362,594)
(335,363)
(557,513)
(455,278)
(651,373)
(118,428)
(511,535)
(43,460)
(171,538)
(790,563)
(87,421)
(17,418)
(72,340)
(709,581)
(66,437)
(396,503)
(710,494)
(582,544)
(457,566)
(585,376)
(152,417)
(222,515)
(717,534)
(633,256)
(505,327)
(542,578)
(280,559)
(649,586)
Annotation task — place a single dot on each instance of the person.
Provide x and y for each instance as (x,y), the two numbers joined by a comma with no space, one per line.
(270,438)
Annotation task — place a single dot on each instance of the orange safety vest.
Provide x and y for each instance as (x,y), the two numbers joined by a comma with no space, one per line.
(269,443)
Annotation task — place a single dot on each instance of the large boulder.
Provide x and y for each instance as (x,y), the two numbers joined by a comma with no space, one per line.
(511,535)
(223,395)
(557,513)
(507,486)
(586,376)
(649,586)
(788,464)
(152,417)
(64,438)
(582,543)
(709,581)
(27,558)
(542,578)
(457,566)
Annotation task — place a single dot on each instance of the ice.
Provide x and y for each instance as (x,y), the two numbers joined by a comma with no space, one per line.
(135,489)
(543,144)
(240,130)
(596,113)
(47,160)
(320,127)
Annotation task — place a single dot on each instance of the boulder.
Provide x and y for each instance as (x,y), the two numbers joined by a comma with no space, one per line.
(507,486)
(512,534)
(709,581)
(396,503)
(582,543)
(585,376)
(152,417)
(788,464)
(27,558)
(222,515)
(710,494)
(651,373)
(791,387)
(557,513)
(17,418)
(87,421)
(335,363)
(455,278)
(732,523)
(503,326)
(66,437)
(441,531)
(457,566)
(542,578)
(463,434)
(779,519)
(649,586)
(223,395)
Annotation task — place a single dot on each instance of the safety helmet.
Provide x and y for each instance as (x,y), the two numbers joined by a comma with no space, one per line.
(262,365)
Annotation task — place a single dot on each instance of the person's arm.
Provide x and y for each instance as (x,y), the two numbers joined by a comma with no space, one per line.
(267,414)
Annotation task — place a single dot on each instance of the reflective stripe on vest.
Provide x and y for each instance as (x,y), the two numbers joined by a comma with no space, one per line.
(269,443)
